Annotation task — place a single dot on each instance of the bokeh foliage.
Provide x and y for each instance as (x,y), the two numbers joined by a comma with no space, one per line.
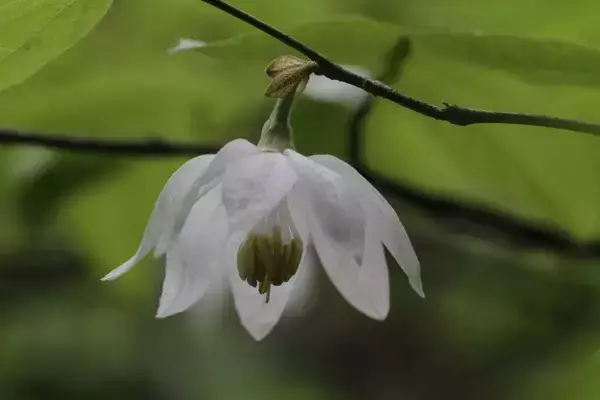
(34,32)
(499,322)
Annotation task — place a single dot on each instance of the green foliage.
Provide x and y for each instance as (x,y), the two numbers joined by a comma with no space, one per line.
(509,324)
(34,32)
(542,175)
(43,192)
(536,60)
(550,179)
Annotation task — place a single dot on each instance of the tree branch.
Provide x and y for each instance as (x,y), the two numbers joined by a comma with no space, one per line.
(473,217)
(132,147)
(452,114)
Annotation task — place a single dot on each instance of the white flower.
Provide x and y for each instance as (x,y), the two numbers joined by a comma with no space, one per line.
(260,215)
(216,208)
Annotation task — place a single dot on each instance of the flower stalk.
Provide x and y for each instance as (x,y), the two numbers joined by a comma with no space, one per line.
(277,134)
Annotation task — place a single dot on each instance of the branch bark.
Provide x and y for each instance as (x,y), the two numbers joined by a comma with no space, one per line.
(131,147)
(472,218)
(453,114)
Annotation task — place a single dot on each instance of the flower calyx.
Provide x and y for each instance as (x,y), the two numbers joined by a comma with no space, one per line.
(289,74)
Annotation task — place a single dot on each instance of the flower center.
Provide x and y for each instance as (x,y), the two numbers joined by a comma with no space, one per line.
(269,259)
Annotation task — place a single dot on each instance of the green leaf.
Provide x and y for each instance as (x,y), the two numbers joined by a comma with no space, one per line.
(548,177)
(545,176)
(369,40)
(536,60)
(537,174)
(119,89)
(34,32)
(41,195)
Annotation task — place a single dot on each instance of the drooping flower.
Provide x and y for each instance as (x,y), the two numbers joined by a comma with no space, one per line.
(257,214)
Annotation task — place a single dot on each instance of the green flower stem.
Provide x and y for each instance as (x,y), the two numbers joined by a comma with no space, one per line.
(277,134)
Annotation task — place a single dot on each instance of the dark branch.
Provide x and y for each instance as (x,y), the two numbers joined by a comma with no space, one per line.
(515,230)
(132,147)
(271,31)
(453,114)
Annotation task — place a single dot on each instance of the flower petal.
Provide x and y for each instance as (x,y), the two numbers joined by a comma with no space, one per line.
(232,151)
(194,257)
(393,234)
(303,293)
(373,274)
(339,212)
(336,223)
(168,202)
(256,315)
(344,271)
(254,186)
(305,286)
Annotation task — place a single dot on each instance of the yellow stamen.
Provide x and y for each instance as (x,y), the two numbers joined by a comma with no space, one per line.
(265,261)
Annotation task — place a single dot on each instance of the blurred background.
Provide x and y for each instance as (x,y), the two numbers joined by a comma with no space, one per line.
(503,218)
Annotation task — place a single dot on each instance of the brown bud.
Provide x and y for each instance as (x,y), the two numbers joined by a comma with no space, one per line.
(288,73)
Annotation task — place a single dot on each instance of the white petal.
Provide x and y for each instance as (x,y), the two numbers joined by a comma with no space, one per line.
(126,266)
(305,287)
(303,293)
(232,151)
(345,273)
(187,44)
(336,223)
(256,315)
(168,203)
(393,234)
(215,301)
(296,200)
(373,275)
(254,186)
(174,195)
(339,212)
(193,259)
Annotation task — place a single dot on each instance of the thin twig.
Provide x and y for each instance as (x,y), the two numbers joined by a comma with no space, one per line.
(131,147)
(516,230)
(452,114)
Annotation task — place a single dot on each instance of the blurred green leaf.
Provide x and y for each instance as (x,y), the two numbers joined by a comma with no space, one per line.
(369,40)
(540,60)
(34,32)
(549,177)
(545,176)
(494,319)
(41,195)
(532,59)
